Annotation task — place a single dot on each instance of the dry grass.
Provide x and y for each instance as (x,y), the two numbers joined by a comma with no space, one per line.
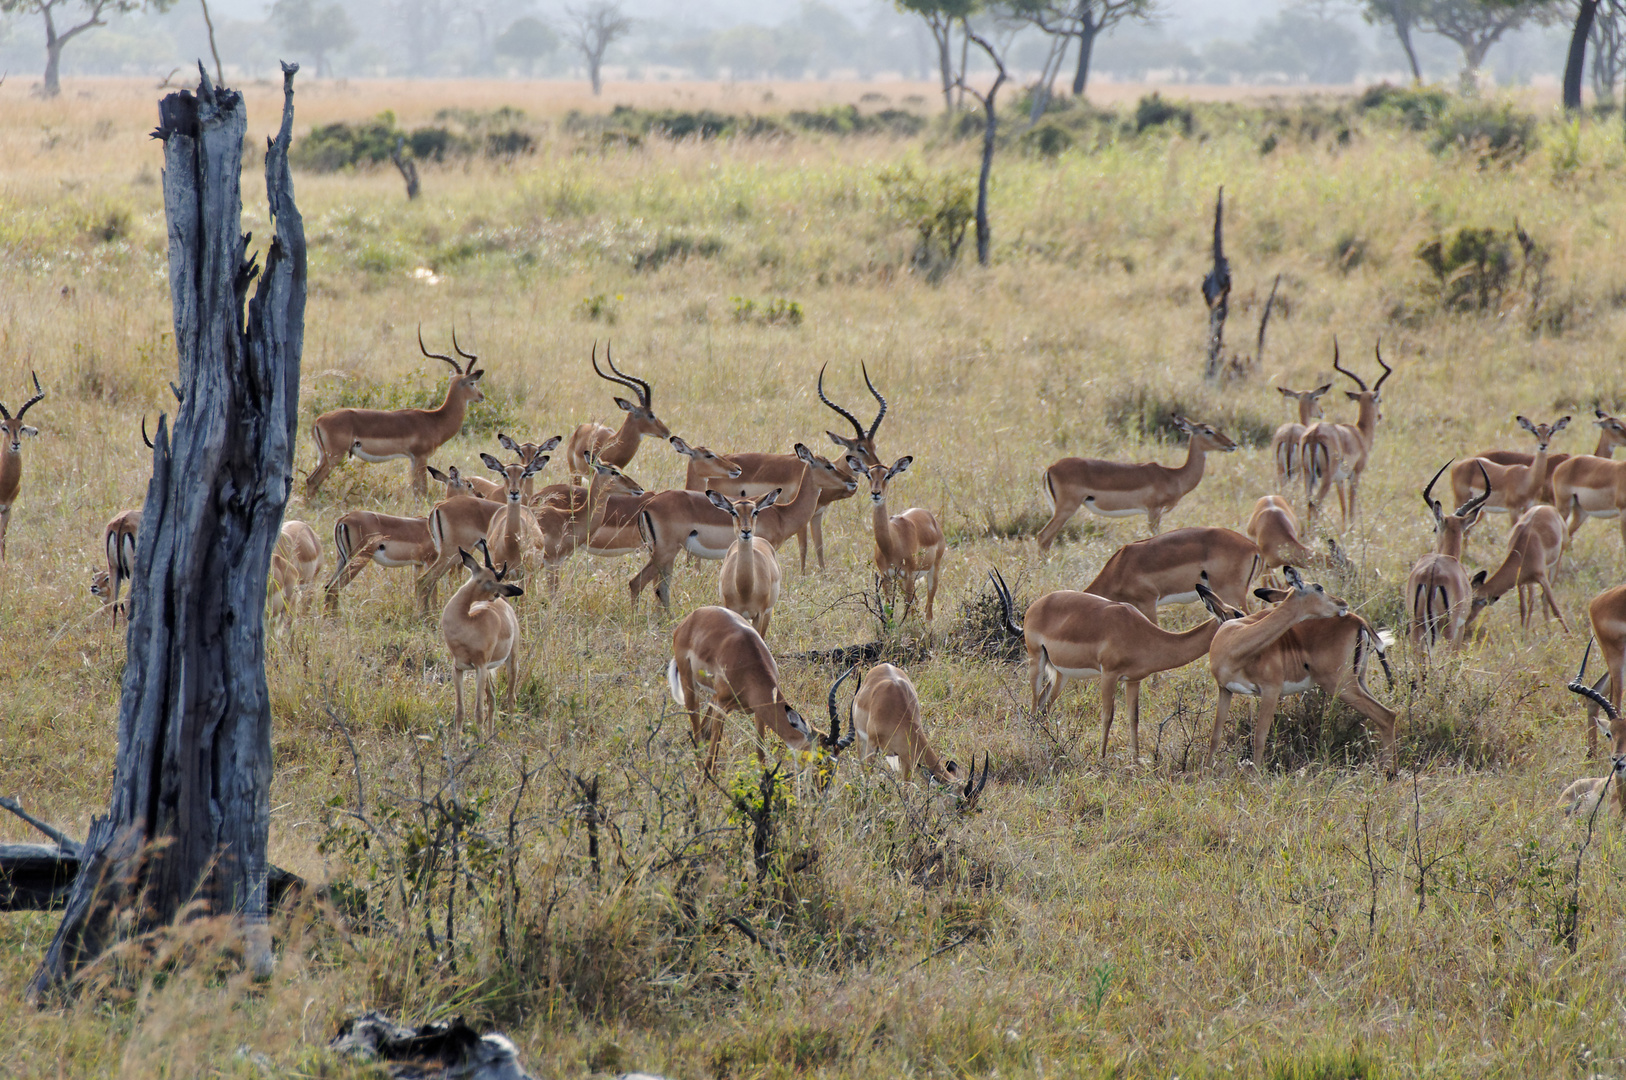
(1111,918)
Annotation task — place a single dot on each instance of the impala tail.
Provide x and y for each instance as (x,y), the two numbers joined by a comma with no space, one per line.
(673,683)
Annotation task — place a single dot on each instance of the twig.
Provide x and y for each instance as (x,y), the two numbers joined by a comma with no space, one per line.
(68,845)
(934,954)
(1572,914)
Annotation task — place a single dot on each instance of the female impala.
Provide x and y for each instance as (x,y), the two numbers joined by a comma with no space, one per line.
(570,522)
(514,536)
(1592,486)
(1284,445)
(1608,614)
(614,447)
(907,546)
(295,562)
(1307,640)
(1611,433)
(1336,454)
(1274,530)
(362,536)
(1534,549)
(482,634)
(1074,635)
(749,581)
(1518,485)
(886,720)
(459,522)
(375,435)
(458,484)
(761,473)
(721,665)
(1118,489)
(119,543)
(862,444)
(1437,591)
(1583,795)
(12,430)
(1165,569)
(527,452)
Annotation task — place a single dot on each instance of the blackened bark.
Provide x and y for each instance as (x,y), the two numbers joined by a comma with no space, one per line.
(1217,290)
(1575,66)
(1088,31)
(190,809)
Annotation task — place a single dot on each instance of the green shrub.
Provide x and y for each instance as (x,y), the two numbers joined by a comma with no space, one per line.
(332,147)
(1417,108)
(1472,267)
(678,246)
(775,312)
(1142,411)
(1047,140)
(1490,131)
(1153,111)
(938,207)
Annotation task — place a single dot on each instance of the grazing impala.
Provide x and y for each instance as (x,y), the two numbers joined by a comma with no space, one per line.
(482,634)
(1274,529)
(361,536)
(295,562)
(1608,615)
(721,665)
(1518,485)
(1336,454)
(1437,591)
(749,581)
(909,545)
(614,447)
(1119,489)
(375,435)
(1165,569)
(1611,433)
(1075,635)
(1592,486)
(1309,639)
(1583,795)
(862,444)
(12,430)
(1284,445)
(514,536)
(762,473)
(886,720)
(119,543)
(1534,549)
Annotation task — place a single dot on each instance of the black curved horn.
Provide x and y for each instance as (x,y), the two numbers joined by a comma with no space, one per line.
(1478,500)
(1578,686)
(435,355)
(1006,604)
(1343,370)
(1434,507)
(877,394)
(459,349)
(38,394)
(1377,349)
(858,428)
(144,436)
(835,740)
(633,381)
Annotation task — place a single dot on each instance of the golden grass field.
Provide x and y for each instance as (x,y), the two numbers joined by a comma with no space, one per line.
(1111,917)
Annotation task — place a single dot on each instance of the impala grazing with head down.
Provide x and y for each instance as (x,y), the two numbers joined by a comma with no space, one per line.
(749,581)
(1308,639)
(886,720)
(295,562)
(1588,486)
(12,430)
(1583,795)
(376,435)
(1534,549)
(119,544)
(482,634)
(615,447)
(1608,615)
(1284,445)
(909,545)
(1517,485)
(1076,635)
(1336,454)
(1438,595)
(721,665)
(1119,489)
(1165,569)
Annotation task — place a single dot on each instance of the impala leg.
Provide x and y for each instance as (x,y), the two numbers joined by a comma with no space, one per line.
(1552,604)
(1132,706)
(714,718)
(801,544)
(908,589)
(1354,487)
(420,476)
(931,585)
(324,466)
(513,677)
(1109,696)
(765,618)
(815,529)
(5,523)
(1357,697)
(1524,613)
(483,720)
(457,681)
(691,703)
(1269,696)
(1063,508)
(1154,519)
(1222,713)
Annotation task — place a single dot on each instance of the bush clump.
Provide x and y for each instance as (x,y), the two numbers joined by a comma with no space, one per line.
(1148,413)
(679,247)
(1153,111)
(938,207)
(847,120)
(1472,267)
(1048,140)
(496,134)
(1418,108)
(1489,131)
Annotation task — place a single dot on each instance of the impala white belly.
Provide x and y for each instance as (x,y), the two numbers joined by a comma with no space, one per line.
(1179,598)
(383,558)
(1242,688)
(1075,673)
(1489,509)
(1606,513)
(375,458)
(697,547)
(1288,688)
(1131,511)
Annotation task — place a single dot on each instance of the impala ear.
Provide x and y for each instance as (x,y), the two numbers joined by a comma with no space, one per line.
(506,443)
(899,466)
(856,466)
(1271,596)
(1352,395)
(1479,579)
(536,465)
(551,444)
(625,405)
(1322,389)
(468,561)
(1526,424)
(474,376)
(680,446)
(840,441)
(769,499)
(720,501)
(437,476)
(1285,392)
(1603,723)
(512,590)
(794,719)
(804,453)
(1561,425)
(30,431)
(493,464)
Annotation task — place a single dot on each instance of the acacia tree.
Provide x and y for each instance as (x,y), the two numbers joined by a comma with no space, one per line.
(1067,20)
(527,39)
(1402,16)
(1608,41)
(1575,61)
(593,29)
(1475,25)
(941,16)
(89,13)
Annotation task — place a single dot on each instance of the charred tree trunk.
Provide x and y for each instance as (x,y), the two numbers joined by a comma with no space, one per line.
(1575,65)
(1088,31)
(189,814)
(1217,290)
(989,131)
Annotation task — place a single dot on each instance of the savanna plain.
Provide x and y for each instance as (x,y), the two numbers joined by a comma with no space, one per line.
(1095,917)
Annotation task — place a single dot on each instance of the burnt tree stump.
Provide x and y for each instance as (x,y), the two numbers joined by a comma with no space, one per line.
(189,814)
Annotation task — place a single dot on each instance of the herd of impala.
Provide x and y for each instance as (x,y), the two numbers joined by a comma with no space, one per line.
(740,508)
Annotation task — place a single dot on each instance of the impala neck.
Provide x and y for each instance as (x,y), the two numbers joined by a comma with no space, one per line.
(450,413)
(620,450)
(1506,576)
(1251,639)
(791,517)
(1190,474)
(1367,422)
(11,476)
(1184,648)
(883,529)
(1450,540)
(464,599)
(1606,446)
(511,517)
(1307,411)
(745,571)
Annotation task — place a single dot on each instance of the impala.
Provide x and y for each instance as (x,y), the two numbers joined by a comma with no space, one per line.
(1583,795)
(482,634)
(361,536)
(1166,568)
(375,435)
(749,581)
(1309,639)
(1438,594)
(1274,530)
(1119,489)
(1611,433)
(886,720)
(1592,486)
(295,562)
(721,665)
(1608,614)
(568,523)
(618,446)
(1336,454)
(1518,485)
(460,522)
(862,444)
(761,473)
(12,430)
(1534,549)
(1076,635)
(671,522)
(119,544)
(514,536)
(458,484)
(909,545)
(527,452)
(705,465)
(1284,445)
